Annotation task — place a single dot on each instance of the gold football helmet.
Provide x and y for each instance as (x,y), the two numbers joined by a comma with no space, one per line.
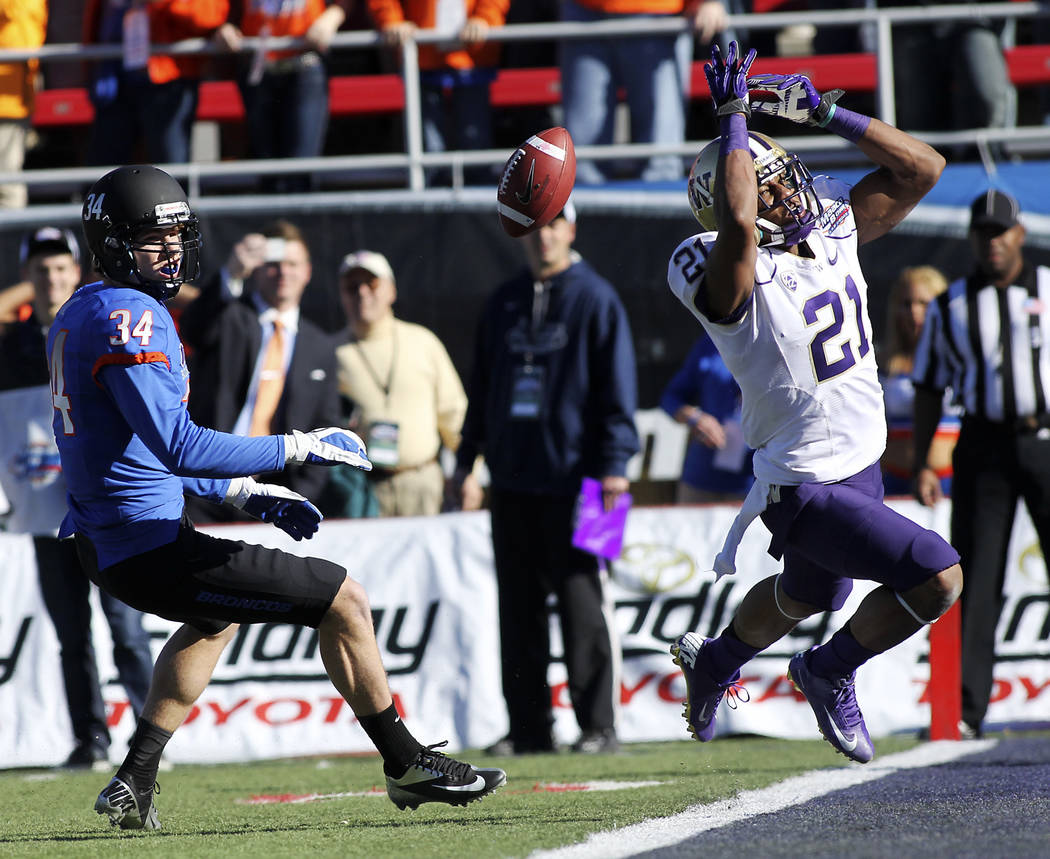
(772,161)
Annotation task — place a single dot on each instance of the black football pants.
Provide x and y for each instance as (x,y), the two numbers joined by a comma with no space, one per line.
(993,468)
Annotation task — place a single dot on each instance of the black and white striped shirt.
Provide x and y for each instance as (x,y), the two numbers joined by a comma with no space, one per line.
(991,346)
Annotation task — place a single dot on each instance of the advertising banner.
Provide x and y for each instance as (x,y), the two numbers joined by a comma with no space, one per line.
(433,599)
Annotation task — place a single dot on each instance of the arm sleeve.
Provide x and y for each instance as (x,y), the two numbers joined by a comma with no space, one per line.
(151,403)
(209,488)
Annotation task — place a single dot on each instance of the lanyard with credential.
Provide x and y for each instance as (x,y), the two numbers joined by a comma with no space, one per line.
(375,376)
(540,302)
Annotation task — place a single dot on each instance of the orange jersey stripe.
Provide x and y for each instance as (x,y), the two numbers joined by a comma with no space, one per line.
(124,360)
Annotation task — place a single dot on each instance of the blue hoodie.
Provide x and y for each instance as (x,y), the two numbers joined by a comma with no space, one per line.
(571,334)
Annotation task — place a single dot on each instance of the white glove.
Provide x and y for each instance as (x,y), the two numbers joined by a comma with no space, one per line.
(279,506)
(329,446)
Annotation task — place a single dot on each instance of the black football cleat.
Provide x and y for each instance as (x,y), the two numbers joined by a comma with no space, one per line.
(435,777)
(128,807)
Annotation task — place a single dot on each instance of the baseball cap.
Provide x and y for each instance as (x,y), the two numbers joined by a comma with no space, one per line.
(48,240)
(568,212)
(994,208)
(371,261)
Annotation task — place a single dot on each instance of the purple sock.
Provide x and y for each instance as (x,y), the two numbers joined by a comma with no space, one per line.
(734,133)
(727,654)
(840,657)
(846,123)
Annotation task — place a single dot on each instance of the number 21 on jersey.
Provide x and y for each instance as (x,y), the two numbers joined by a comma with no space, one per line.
(831,350)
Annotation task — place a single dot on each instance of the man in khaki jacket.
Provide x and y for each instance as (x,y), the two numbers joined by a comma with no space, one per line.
(408,399)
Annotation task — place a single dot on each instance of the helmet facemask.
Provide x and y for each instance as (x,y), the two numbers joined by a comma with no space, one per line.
(772,162)
(802,204)
(181,260)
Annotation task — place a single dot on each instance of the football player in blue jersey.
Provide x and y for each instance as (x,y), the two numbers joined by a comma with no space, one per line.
(129,451)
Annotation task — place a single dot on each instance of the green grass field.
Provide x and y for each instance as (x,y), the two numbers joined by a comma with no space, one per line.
(203,810)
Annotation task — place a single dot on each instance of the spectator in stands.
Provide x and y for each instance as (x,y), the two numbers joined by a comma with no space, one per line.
(704,396)
(551,400)
(408,397)
(144,97)
(258,366)
(985,339)
(653,69)
(455,75)
(34,485)
(22,25)
(910,295)
(950,75)
(285,93)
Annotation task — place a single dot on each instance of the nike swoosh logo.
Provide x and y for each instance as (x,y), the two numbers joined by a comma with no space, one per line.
(477,784)
(850,743)
(525,197)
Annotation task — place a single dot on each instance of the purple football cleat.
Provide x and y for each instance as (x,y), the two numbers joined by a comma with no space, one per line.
(703,693)
(834,703)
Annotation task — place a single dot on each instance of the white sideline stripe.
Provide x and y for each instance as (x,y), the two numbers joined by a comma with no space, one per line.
(668,831)
(537,142)
(539,787)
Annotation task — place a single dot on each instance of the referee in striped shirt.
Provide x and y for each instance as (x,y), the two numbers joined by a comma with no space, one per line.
(988,339)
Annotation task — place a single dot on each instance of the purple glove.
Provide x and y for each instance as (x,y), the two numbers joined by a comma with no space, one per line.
(791,96)
(727,80)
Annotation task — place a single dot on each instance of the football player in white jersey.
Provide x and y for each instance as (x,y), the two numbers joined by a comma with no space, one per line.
(775,280)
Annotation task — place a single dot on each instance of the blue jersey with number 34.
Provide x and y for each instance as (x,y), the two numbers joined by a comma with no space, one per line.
(800,348)
(119,386)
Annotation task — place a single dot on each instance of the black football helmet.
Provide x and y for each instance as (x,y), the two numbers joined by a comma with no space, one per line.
(124,204)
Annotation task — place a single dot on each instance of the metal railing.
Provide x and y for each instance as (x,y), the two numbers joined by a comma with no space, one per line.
(414,161)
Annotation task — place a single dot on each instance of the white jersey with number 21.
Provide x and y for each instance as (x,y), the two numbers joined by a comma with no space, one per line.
(800,348)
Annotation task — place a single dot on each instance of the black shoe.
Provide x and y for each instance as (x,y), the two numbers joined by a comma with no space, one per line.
(88,756)
(597,742)
(508,747)
(435,777)
(127,806)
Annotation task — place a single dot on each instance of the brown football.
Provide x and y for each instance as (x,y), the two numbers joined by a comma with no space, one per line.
(536,182)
